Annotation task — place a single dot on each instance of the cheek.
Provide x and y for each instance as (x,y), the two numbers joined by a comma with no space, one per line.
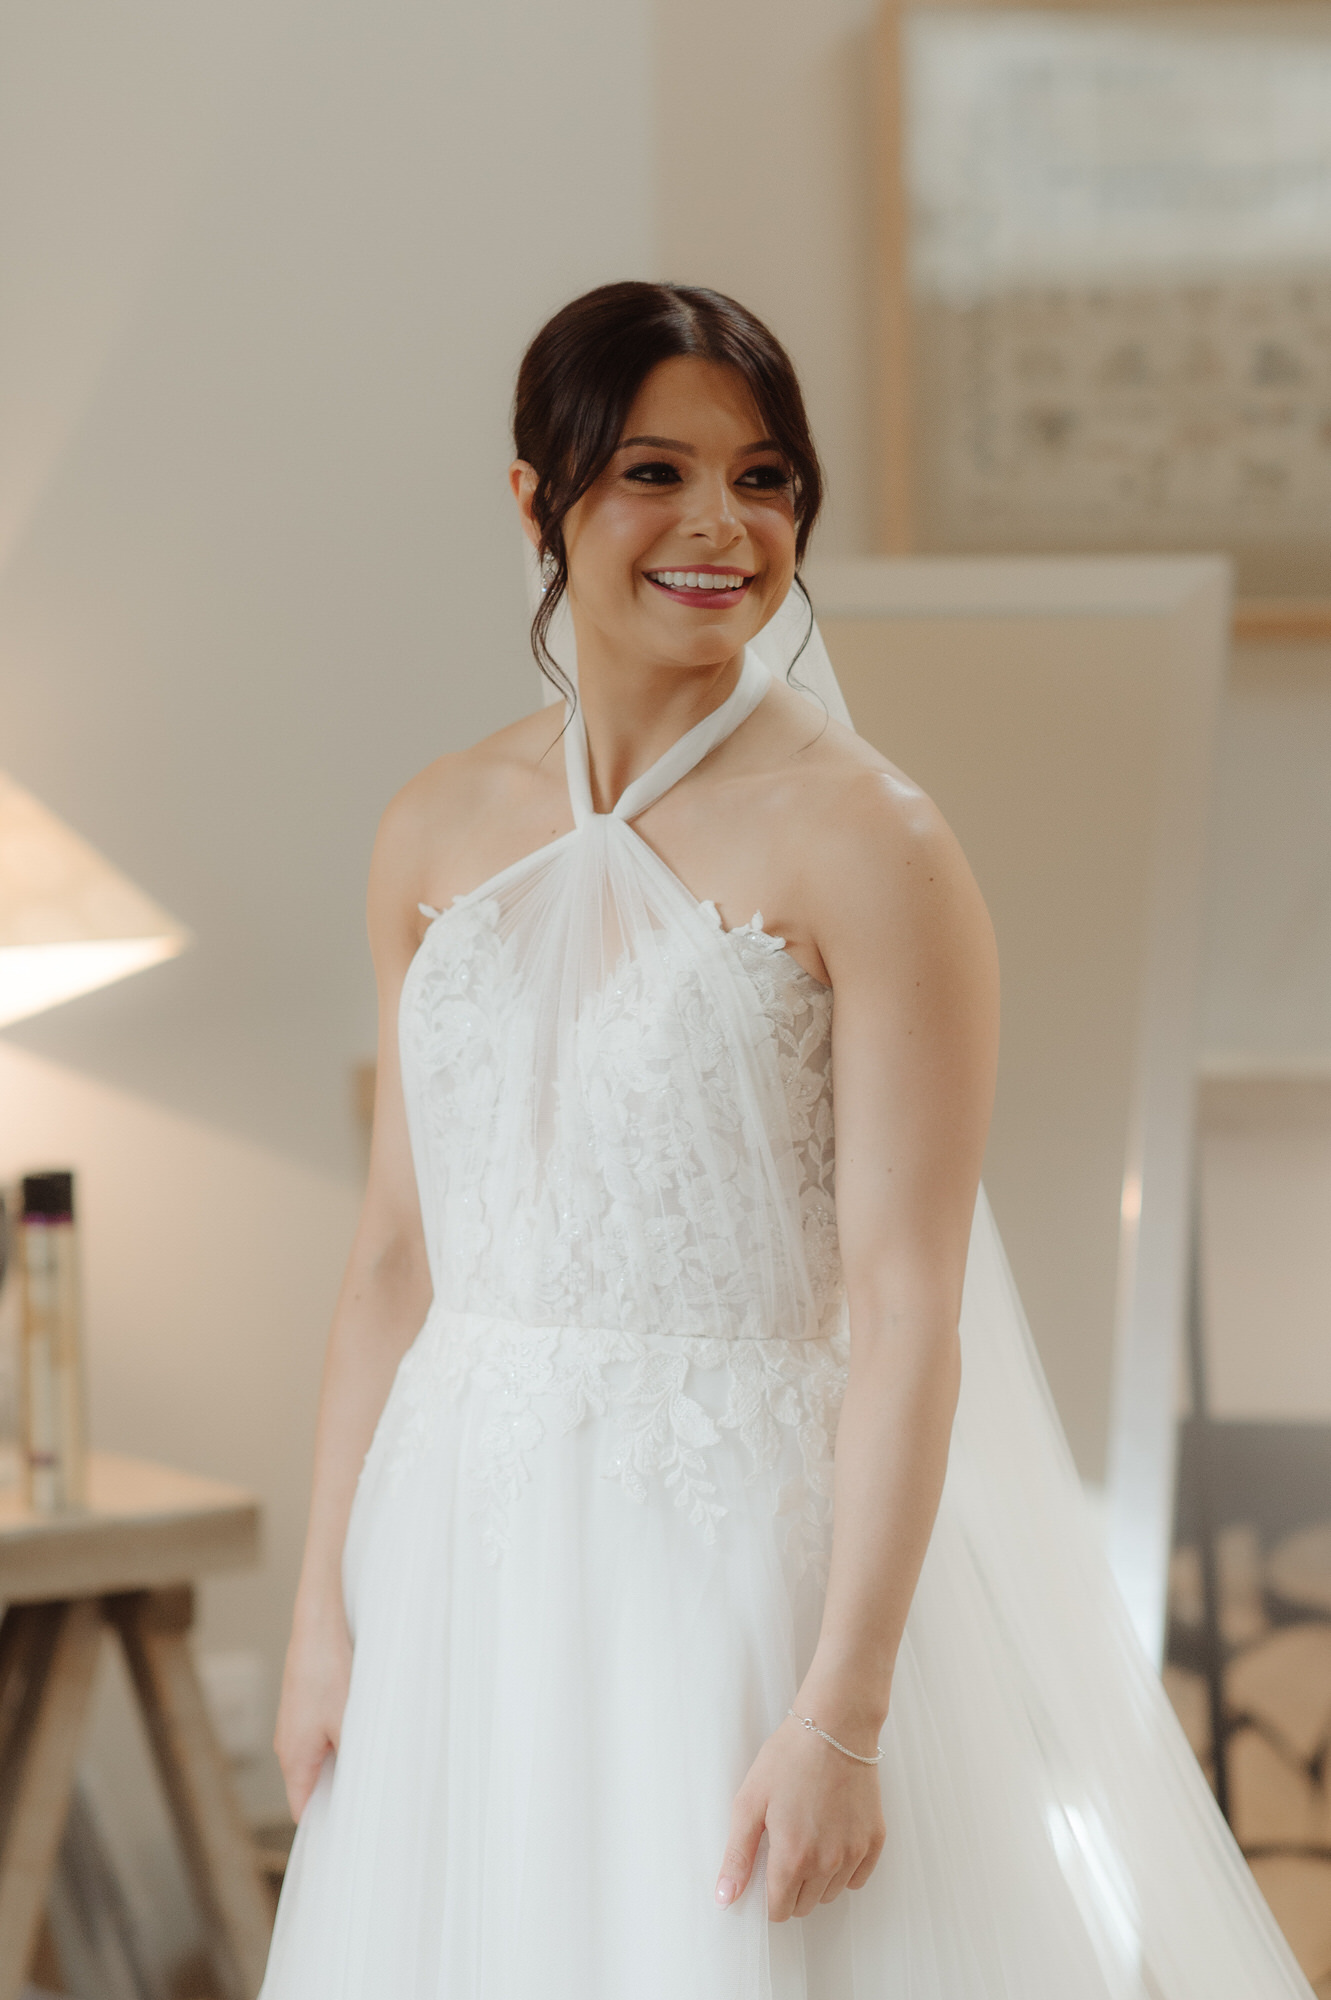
(613,544)
(773,532)
(636,525)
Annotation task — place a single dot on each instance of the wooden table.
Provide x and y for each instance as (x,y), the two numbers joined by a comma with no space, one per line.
(125,1565)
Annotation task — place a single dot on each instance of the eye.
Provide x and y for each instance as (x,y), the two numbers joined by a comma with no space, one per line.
(654,472)
(764,478)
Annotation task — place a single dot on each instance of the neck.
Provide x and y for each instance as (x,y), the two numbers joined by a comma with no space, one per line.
(634,712)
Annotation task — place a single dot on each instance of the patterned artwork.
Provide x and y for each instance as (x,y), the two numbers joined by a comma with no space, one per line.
(1122,271)
(1096,415)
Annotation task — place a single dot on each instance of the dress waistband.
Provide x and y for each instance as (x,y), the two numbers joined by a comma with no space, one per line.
(469,1321)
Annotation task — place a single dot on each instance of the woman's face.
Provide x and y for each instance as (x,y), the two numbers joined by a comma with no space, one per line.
(685,546)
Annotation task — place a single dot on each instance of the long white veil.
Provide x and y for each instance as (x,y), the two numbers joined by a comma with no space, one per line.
(1035,1768)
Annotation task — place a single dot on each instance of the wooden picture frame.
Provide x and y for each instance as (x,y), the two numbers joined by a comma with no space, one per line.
(1295,615)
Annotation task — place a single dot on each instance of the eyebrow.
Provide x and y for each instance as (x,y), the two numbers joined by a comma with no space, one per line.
(691,450)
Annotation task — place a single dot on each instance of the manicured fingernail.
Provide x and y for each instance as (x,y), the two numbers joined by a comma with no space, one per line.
(725,1890)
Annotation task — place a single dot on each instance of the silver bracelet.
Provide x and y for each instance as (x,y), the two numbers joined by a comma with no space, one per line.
(809,1723)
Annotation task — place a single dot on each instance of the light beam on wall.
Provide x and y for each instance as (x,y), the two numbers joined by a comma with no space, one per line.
(69,921)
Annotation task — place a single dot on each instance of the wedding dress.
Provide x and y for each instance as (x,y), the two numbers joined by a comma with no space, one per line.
(587,1551)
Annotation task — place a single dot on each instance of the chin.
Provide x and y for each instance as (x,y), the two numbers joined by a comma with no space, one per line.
(708,640)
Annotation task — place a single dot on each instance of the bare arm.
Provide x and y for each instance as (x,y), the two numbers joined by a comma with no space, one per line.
(908,945)
(384,1297)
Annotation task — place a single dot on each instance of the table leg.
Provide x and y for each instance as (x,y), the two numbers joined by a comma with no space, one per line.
(48,1657)
(218,1850)
(27,1634)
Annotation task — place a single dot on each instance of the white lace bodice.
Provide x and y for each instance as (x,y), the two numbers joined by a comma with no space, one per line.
(499,1213)
(621,1121)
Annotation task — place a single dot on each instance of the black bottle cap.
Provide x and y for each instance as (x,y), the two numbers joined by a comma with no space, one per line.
(50,1196)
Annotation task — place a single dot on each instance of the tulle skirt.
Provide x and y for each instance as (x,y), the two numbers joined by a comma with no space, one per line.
(542,1744)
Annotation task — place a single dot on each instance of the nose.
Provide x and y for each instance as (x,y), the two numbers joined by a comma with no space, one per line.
(713,514)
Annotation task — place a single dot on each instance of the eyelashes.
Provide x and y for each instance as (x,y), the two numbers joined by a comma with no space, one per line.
(766,478)
(656,473)
(758,478)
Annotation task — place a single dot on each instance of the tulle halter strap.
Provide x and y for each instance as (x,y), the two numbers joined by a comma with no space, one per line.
(676,763)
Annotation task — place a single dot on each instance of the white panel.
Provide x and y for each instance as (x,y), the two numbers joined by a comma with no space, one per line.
(1101,1049)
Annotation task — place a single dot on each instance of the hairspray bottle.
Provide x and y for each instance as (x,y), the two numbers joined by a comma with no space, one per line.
(52,1370)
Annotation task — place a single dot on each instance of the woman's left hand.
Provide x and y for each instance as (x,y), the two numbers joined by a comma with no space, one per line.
(824,1818)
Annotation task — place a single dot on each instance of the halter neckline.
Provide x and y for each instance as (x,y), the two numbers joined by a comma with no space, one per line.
(684,753)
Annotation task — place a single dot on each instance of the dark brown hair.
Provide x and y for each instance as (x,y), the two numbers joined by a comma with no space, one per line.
(577,383)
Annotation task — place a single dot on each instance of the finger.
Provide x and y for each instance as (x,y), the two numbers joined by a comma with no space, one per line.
(783,1887)
(838,1882)
(301,1777)
(810,1894)
(865,1869)
(793,1885)
(298,1792)
(747,1820)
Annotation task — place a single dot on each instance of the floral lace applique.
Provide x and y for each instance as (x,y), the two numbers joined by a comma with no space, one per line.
(548,1380)
(599,1260)
(644,1202)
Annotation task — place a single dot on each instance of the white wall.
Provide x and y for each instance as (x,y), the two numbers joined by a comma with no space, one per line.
(1265,1133)
(268,273)
(1268,979)
(269,270)
(764,189)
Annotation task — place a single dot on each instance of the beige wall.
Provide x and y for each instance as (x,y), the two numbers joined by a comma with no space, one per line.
(764,190)
(268,272)
(1268,969)
(1265,1143)
(1265,1138)
(1265,1157)
(269,269)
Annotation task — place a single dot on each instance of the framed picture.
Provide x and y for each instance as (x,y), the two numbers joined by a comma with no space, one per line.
(1106,286)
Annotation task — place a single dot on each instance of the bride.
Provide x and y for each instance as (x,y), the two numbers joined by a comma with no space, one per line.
(585,1699)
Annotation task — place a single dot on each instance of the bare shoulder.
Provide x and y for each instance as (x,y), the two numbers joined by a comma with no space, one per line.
(844,803)
(443,803)
(450,825)
(874,855)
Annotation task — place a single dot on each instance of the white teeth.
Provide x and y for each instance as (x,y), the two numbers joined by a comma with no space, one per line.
(693,579)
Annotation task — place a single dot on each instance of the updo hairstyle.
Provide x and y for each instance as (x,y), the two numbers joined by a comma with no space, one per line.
(577,383)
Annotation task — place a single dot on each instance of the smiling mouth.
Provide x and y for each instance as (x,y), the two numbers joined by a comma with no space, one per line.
(701,586)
